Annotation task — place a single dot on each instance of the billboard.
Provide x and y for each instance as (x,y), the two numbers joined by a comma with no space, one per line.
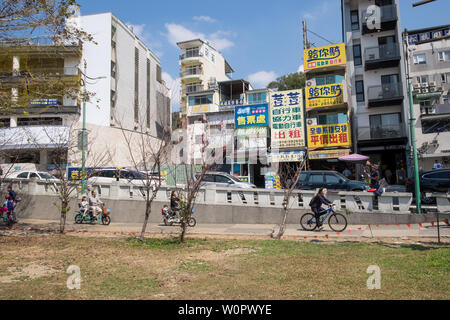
(332,135)
(287,121)
(322,57)
(324,96)
(294,156)
(252,116)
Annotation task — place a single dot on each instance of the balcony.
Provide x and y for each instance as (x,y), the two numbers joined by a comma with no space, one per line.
(386,95)
(192,73)
(384,56)
(382,135)
(192,90)
(189,55)
(35,74)
(388,19)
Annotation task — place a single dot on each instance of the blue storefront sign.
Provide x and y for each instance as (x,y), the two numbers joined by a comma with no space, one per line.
(46,102)
(75,174)
(252,116)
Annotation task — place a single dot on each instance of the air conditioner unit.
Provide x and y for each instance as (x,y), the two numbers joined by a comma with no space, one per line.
(425,85)
(439,89)
(311,83)
(433,84)
(416,86)
(311,122)
(432,89)
(426,90)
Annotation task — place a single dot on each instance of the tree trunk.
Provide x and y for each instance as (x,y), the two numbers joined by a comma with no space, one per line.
(62,222)
(148,211)
(284,217)
(183,231)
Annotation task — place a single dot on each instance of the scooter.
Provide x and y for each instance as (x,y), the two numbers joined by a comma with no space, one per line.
(170,218)
(88,217)
(8,219)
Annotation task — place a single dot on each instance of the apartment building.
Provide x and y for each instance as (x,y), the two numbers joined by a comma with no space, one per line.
(327,107)
(377,76)
(38,89)
(123,75)
(429,69)
(202,67)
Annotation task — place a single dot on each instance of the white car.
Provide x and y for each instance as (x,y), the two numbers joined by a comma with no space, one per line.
(224,180)
(122,175)
(35,175)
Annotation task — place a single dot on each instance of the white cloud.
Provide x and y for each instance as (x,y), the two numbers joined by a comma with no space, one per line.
(174,86)
(177,33)
(301,68)
(204,19)
(140,30)
(262,78)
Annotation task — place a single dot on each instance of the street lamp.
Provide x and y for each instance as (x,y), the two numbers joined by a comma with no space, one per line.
(83,131)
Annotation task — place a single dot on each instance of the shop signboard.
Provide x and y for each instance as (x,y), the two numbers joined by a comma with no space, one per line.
(328,154)
(44,102)
(332,135)
(293,156)
(287,120)
(324,96)
(323,57)
(252,116)
(428,36)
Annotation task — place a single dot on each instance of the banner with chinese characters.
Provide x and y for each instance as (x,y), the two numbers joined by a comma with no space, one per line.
(294,156)
(324,96)
(252,116)
(286,113)
(322,57)
(328,154)
(332,135)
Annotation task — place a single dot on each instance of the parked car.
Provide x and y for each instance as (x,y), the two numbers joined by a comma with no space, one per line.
(312,180)
(34,175)
(224,180)
(109,175)
(436,181)
(155,177)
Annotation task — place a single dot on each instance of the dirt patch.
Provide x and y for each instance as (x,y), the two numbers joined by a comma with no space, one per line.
(30,271)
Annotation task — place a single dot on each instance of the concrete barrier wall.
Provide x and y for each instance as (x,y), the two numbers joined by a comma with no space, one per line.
(227,206)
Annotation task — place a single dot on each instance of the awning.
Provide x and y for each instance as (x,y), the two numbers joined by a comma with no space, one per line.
(328,154)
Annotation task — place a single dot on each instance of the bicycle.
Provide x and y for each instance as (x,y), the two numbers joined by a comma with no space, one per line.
(336,221)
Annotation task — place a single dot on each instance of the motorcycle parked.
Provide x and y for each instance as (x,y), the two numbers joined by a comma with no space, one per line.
(8,219)
(170,218)
(88,217)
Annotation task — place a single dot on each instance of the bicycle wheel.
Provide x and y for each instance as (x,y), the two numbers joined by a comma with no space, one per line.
(78,219)
(192,222)
(337,222)
(308,222)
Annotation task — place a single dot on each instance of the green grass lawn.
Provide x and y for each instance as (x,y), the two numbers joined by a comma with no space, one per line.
(34,267)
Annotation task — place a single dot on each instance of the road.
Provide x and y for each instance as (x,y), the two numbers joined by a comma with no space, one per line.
(295,232)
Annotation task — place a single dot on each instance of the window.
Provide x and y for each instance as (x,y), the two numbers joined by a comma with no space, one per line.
(5,123)
(303,177)
(23,175)
(45,175)
(422,79)
(354,18)
(316,178)
(113,69)
(359,85)
(320,81)
(444,55)
(34,175)
(256,98)
(207,178)
(158,73)
(27,122)
(324,119)
(193,87)
(193,70)
(222,179)
(192,52)
(445,77)
(420,58)
(357,58)
(435,126)
(213,58)
(384,126)
(198,100)
(332,179)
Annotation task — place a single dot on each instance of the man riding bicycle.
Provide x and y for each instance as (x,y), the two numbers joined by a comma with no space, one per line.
(316,206)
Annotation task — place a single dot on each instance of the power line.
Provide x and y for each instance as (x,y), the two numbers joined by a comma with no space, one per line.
(319,36)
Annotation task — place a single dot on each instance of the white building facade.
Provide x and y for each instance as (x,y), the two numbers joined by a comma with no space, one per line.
(376,73)
(429,65)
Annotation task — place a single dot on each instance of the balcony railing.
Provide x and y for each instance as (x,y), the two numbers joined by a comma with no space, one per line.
(381,132)
(388,19)
(192,72)
(191,55)
(384,56)
(192,90)
(386,95)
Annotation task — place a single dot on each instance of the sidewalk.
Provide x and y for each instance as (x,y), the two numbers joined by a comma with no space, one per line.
(253,230)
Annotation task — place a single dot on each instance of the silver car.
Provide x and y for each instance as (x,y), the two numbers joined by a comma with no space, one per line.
(224,180)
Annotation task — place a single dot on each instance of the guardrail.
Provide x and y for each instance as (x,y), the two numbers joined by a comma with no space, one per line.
(352,202)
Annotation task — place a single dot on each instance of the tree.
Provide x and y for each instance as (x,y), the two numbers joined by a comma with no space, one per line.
(289,176)
(32,26)
(289,82)
(64,142)
(148,154)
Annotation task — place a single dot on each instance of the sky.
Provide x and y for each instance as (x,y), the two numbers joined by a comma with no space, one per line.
(261,40)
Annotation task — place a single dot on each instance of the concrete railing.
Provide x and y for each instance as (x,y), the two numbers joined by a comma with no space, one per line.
(357,202)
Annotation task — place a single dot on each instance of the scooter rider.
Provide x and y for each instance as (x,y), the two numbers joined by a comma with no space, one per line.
(174,202)
(95,203)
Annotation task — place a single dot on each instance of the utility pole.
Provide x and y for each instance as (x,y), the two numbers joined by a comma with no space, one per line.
(420,3)
(305,36)
(83,137)
(412,127)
